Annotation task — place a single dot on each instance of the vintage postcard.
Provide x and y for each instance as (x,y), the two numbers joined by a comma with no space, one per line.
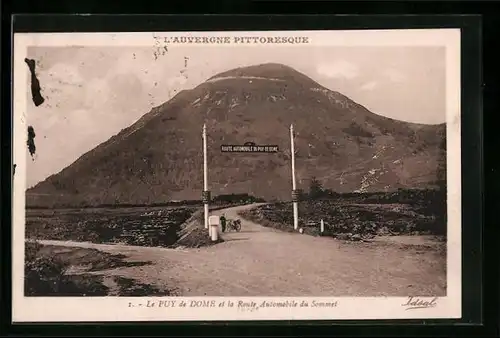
(272,175)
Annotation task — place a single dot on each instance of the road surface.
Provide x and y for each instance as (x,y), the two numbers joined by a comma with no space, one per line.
(260,261)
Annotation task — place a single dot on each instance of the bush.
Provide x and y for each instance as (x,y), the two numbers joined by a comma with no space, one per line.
(43,275)
(398,213)
(315,189)
(133,227)
(237,198)
(46,276)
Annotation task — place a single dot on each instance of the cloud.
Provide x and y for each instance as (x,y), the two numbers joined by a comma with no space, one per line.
(95,94)
(339,69)
(58,84)
(369,85)
(395,75)
(63,73)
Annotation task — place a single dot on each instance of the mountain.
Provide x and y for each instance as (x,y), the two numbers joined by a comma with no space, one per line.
(337,141)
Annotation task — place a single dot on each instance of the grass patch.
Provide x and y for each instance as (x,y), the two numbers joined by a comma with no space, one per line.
(198,238)
(62,271)
(142,226)
(194,234)
(356,216)
(132,226)
(130,288)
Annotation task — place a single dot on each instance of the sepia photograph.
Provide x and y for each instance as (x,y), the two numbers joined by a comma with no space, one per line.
(237,175)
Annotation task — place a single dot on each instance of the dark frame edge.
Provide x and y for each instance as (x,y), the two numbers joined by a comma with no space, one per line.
(471,86)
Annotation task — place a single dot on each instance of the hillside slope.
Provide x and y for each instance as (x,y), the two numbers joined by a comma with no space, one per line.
(338,141)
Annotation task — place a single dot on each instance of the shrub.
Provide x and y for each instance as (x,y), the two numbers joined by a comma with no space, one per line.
(236,198)
(402,212)
(315,189)
(46,276)
(43,275)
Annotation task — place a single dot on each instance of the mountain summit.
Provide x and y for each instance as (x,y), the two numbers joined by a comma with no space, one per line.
(269,71)
(339,142)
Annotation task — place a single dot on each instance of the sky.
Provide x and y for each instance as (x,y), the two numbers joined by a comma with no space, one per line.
(91,93)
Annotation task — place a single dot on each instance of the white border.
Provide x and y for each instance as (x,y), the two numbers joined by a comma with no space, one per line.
(75,309)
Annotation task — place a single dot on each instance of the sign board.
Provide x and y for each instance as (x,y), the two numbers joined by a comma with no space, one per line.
(249,147)
(214,220)
(206,197)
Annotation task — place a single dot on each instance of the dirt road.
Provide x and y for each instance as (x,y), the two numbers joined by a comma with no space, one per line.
(260,261)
